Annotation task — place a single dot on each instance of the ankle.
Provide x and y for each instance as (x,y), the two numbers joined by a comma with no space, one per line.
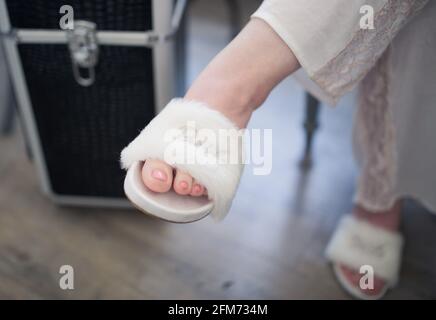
(235,99)
(388,219)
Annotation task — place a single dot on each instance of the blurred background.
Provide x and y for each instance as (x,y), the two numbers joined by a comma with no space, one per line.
(271,245)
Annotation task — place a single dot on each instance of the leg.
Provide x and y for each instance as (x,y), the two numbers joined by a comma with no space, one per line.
(234,16)
(236,82)
(180,43)
(377,146)
(310,126)
(7,118)
(7,100)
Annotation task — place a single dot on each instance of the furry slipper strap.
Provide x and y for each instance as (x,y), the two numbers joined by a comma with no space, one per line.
(357,243)
(194,138)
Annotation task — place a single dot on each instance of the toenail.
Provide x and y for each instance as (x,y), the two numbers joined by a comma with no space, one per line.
(183,185)
(196,189)
(159,175)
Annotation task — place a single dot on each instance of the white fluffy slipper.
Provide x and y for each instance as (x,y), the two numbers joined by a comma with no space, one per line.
(357,243)
(192,137)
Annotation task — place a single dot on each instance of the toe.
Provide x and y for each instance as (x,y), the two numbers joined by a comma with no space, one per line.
(157,175)
(197,189)
(182,183)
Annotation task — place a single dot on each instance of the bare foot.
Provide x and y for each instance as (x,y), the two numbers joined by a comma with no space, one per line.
(235,83)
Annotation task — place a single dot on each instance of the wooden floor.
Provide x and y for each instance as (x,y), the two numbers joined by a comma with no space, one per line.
(270,246)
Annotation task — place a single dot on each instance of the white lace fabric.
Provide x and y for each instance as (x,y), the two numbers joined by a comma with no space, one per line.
(348,55)
(375,135)
(340,74)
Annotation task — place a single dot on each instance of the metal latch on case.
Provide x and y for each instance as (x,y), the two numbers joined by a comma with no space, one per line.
(83,46)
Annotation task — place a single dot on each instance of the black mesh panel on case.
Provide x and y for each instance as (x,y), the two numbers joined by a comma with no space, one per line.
(118,15)
(83,129)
